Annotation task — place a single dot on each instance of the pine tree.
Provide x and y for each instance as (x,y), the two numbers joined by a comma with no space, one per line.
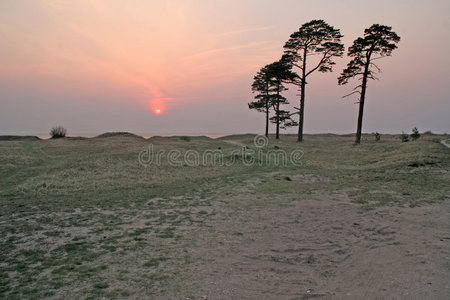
(313,38)
(269,82)
(281,73)
(261,85)
(378,41)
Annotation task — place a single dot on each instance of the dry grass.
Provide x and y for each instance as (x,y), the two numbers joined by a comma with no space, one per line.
(83,218)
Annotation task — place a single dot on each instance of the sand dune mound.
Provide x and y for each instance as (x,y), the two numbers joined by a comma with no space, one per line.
(18,138)
(118,134)
(180,138)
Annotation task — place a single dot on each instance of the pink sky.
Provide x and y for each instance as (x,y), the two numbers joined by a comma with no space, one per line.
(96,66)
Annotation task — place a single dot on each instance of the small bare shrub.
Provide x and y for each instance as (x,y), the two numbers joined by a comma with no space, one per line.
(58,132)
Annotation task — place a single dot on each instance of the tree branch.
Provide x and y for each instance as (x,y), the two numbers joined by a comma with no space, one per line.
(354,92)
(294,113)
(358,86)
(325,56)
(298,66)
(376,67)
(379,57)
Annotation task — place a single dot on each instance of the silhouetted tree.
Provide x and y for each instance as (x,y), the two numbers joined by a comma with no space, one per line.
(378,42)
(283,119)
(313,38)
(261,85)
(280,72)
(269,82)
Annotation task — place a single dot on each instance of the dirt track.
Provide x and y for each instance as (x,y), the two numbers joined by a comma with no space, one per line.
(326,248)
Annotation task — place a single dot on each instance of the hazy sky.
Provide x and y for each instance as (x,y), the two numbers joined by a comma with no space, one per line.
(107,65)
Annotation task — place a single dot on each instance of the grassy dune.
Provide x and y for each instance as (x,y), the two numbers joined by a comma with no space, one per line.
(82,217)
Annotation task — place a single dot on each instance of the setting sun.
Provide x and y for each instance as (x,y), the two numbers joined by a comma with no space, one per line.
(156,106)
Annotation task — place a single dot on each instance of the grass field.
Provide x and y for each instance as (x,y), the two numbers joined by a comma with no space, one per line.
(84,218)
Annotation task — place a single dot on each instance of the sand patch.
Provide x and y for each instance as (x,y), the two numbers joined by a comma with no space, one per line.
(325,247)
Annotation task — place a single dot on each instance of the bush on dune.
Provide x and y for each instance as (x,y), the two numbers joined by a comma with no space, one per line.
(58,132)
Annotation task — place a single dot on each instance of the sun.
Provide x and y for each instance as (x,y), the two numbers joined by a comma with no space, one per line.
(156,106)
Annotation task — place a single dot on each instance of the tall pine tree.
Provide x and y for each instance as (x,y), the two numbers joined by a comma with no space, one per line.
(378,41)
(269,84)
(281,73)
(261,86)
(315,38)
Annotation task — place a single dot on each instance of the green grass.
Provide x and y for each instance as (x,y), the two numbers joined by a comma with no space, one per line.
(82,218)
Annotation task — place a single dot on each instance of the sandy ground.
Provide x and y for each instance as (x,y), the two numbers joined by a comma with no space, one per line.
(325,248)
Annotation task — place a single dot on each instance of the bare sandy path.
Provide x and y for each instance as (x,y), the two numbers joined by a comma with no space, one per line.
(237,143)
(325,248)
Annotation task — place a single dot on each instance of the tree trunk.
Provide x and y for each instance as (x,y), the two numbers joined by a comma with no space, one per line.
(361,102)
(267,111)
(267,121)
(301,112)
(302,99)
(278,118)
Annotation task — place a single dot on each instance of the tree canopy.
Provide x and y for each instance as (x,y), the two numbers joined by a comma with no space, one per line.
(378,40)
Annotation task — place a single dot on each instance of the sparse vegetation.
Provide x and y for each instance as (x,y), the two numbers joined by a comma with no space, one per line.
(58,132)
(377,136)
(82,218)
(404,137)
(185,138)
(415,134)
(19,138)
(118,134)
